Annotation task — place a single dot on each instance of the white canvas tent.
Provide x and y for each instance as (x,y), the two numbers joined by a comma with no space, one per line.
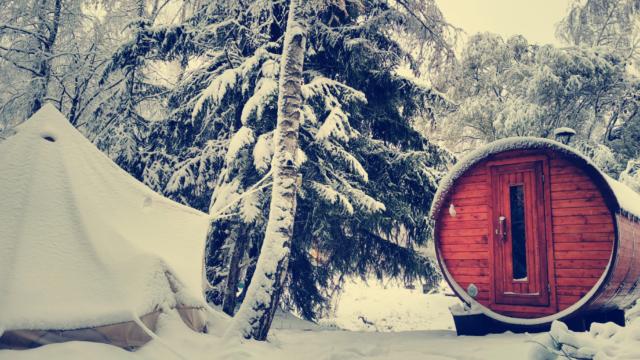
(85,249)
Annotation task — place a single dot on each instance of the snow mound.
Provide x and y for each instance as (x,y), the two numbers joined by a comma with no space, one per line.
(82,243)
(602,341)
(627,199)
(631,175)
(375,307)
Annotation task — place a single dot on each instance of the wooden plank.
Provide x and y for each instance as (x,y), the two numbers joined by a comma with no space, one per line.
(581,264)
(567,178)
(573,186)
(472,279)
(579,291)
(474,179)
(594,236)
(464,255)
(548,221)
(566,170)
(578,203)
(537,227)
(475,271)
(560,162)
(522,309)
(577,194)
(568,246)
(462,239)
(447,248)
(582,255)
(465,217)
(579,229)
(579,273)
(582,220)
(458,199)
(478,170)
(469,201)
(470,189)
(467,263)
(568,281)
(469,224)
(599,210)
(469,209)
(464,232)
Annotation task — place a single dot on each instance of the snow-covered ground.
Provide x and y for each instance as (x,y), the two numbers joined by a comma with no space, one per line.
(372,306)
(401,324)
(296,339)
(302,340)
(301,345)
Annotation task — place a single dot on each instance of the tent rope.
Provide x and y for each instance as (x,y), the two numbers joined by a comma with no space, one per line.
(154,336)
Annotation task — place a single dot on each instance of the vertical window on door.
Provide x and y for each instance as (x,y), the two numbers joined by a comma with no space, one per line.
(518,236)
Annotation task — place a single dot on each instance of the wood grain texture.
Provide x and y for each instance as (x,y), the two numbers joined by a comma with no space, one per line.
(581,235)
(583,231)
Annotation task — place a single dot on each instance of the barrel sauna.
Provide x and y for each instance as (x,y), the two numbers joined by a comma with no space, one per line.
(528,231)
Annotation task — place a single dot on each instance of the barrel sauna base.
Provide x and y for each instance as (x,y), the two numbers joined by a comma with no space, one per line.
(480,324)
(583,323)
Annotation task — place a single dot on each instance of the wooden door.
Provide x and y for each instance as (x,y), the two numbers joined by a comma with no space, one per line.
(519,232)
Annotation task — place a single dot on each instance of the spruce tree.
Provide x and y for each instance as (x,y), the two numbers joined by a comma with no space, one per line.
(368,176)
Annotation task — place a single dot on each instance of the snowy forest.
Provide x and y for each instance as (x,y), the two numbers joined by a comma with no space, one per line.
(186,96)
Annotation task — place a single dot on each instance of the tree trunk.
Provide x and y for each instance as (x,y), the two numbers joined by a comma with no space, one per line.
(233,277)
(48,32)
(255,316)
(216,264)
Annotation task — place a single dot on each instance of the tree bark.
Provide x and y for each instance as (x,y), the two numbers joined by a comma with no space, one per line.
(48,32)
(239,249)
(216,264)
(256,313)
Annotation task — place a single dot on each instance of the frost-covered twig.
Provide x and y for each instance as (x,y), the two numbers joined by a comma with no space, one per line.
(254,188)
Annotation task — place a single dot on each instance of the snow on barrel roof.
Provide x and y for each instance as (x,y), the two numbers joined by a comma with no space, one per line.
(627,199)
(82,243)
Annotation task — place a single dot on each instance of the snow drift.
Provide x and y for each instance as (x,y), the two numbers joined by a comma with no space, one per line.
(83,245)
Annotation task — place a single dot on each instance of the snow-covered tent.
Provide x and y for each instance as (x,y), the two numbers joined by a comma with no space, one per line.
(86,251)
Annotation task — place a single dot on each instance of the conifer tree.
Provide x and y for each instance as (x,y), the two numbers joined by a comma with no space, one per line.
(367,175)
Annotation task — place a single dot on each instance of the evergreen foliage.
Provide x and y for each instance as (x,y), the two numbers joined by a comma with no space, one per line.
(368,176)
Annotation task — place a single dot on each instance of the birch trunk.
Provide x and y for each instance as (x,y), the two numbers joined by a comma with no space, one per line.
(255,316)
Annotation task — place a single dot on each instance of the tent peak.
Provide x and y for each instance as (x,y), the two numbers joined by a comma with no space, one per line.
(46,119)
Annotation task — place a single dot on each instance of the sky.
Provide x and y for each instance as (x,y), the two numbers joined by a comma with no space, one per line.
(535,19)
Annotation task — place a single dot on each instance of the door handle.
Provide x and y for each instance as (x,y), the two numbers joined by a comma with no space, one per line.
(502,228)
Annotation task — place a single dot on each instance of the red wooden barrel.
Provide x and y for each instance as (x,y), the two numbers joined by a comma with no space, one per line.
(539,231)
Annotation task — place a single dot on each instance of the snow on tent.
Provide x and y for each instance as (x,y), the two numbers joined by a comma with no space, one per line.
(86,251)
